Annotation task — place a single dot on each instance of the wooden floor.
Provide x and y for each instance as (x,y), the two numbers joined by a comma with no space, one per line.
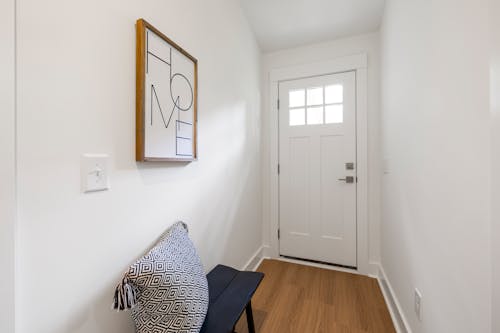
(298,298)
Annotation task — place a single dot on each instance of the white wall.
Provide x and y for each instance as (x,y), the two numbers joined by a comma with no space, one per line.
(435,125)
(77,95)
(368,44)
(495,155)
(7,167)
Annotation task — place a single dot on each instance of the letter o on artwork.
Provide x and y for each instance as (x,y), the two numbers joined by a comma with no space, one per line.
(179,84)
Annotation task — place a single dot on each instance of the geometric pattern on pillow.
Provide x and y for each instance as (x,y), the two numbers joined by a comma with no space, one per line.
(167,289)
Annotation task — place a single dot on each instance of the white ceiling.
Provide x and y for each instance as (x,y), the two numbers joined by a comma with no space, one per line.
(281,24)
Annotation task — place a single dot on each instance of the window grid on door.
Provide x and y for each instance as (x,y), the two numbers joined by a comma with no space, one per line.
(316,105)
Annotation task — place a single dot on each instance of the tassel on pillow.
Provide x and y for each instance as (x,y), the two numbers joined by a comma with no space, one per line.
(125,296)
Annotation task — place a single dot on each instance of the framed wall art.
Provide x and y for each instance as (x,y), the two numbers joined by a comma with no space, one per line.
(166,104)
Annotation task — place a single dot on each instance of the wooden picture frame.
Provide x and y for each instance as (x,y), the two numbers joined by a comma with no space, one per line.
(166,98)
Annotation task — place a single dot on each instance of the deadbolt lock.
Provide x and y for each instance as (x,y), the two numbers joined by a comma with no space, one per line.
(349,166)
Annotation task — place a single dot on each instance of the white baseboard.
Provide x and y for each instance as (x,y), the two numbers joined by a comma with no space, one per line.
(254,260)
(259,262)
(397,314)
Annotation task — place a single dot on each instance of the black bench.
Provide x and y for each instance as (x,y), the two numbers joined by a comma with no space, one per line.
(230,292)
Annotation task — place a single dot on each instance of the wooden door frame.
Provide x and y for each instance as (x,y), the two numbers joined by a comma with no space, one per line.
(357,63)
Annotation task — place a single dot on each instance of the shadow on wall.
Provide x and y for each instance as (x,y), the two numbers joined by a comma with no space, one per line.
(223,209)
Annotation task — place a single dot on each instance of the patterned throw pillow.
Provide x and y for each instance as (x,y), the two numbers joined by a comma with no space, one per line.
(166,289)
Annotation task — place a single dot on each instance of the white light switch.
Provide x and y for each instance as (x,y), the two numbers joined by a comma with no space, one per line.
(94,169)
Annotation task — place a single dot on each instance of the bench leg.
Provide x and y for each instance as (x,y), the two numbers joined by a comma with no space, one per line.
(251,326)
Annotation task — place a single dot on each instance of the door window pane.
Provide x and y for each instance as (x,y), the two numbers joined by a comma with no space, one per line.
(316,105)
(334,94)
(334,114)
(315,115)
(296,98)
(297,117)
(315,96)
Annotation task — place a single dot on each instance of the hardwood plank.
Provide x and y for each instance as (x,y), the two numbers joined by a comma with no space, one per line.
(298,298)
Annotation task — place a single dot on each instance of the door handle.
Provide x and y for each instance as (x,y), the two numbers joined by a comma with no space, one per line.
(348,179)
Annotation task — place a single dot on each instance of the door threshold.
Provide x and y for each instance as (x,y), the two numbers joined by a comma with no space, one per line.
(320,264)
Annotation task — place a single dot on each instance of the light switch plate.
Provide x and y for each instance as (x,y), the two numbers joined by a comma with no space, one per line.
(95,172)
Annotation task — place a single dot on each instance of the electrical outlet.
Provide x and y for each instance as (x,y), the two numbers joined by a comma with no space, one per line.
(418,304)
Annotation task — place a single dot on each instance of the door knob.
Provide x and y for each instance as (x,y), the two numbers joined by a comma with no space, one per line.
(348,179)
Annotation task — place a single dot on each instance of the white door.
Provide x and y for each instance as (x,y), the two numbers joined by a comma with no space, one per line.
(317,156)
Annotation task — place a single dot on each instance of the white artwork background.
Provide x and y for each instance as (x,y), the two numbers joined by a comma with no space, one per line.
(169,100)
